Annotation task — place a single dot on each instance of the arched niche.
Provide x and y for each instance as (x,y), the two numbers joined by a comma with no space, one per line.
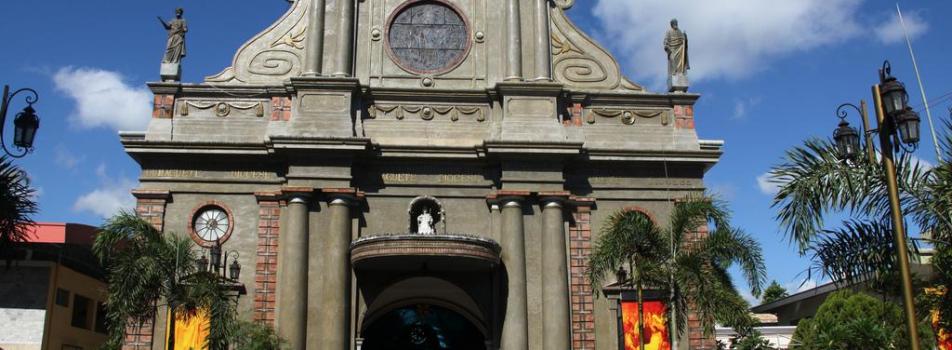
(426,290)
(428,204)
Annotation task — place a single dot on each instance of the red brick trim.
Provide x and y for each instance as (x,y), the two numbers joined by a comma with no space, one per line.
(139,337)
(151,207)
(163,106)
(280,108)
(582,297)
(643,211)
(191,223)
(266,266)
(684,117)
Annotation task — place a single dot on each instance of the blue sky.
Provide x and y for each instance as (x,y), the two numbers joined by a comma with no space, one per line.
(771,73)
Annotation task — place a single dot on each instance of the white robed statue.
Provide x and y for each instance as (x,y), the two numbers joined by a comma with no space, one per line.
(676,46)
(425,223)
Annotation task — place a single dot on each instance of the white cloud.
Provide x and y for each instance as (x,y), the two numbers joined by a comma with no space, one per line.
(103,99)
(892,33)
(725,191)
(743,106)
(731,39)
(67,159)
(766,186)
(113,195)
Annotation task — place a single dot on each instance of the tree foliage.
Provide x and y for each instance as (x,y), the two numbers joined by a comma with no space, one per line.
(694,268)
(815,184)
(147,269)
(16,204)
(256,336)
(773,292)
(753,340)
(849,320)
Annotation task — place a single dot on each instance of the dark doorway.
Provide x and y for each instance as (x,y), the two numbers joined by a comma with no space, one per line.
(422,327)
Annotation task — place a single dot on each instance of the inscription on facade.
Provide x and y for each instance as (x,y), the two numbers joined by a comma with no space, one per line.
(190,173)
(450,177)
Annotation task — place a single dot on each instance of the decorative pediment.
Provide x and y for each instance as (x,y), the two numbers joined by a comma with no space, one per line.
(579,62)
(272,56)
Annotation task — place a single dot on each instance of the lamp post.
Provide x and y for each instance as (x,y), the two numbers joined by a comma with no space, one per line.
(217,263)
(25,123)
(895,121)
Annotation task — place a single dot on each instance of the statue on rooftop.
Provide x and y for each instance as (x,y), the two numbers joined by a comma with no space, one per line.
(175,46)
(676,46)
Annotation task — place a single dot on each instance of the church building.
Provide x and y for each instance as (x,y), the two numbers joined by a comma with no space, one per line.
(418,174)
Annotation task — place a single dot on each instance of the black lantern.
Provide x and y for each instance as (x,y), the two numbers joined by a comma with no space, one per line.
(893,92)
(234,270)
(201,264)
(215,253)
(25,125)
(847,140)
(907,125)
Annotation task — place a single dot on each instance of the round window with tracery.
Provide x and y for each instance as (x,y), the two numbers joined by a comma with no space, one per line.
(428,37)
(211,223)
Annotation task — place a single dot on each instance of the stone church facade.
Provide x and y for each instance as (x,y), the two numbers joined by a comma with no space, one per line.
(429,173)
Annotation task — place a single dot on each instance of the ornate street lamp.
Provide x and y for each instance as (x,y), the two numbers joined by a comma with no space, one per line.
(907,126)
(217,263)
(847,140)
(894,118)
(25,123)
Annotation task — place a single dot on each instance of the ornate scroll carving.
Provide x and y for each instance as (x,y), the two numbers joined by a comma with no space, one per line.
(564,4)
(272,56)
(222,109)
(579,61)
(628,116)
(427,112)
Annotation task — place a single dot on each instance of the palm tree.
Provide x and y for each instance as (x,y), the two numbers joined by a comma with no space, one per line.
(693,268)
(145,268)
(16,204)
(814,184)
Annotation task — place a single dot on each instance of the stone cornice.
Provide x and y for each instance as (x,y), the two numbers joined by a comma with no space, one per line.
(632,99)
(529,88)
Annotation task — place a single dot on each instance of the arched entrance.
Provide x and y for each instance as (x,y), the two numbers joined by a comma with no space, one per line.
(422,327)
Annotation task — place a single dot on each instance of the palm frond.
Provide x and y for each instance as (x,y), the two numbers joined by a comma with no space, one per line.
(16,204)
(728,246)
(630,238)
(692,213)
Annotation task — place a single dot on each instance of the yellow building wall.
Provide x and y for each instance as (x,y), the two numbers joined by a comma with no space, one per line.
(60,331)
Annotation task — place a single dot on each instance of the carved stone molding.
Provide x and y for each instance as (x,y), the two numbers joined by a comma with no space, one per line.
(628,116)
(400,112)
(579,62)
(272,56)
(564,4)
(222,109)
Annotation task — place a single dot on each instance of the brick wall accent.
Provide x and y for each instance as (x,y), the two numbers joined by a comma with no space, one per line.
(266,266)
(163,106)
(684,117)
(150,205)
(582,298)
(696,336)
(281,108)
(139,337)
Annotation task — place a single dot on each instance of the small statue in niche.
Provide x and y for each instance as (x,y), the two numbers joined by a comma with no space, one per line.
(425,223)
(676,46)
(174,47)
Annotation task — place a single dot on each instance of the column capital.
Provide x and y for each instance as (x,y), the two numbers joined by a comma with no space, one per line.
(503,197)
(297,192)
(152,194)
(348,196)
(554,198)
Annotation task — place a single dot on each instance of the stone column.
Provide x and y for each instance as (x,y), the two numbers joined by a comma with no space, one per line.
(555,283)
(513,41)
(292,283)
(314,55)
(515,331)
(543,70)
(335,298)
(345,39)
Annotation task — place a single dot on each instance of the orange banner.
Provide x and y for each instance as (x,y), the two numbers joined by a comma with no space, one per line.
(655,325)
(190,332)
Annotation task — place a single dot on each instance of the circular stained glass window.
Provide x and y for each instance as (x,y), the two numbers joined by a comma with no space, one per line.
(210,224)
(428,37)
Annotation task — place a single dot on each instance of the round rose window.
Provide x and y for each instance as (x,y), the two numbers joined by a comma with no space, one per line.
(427,37)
